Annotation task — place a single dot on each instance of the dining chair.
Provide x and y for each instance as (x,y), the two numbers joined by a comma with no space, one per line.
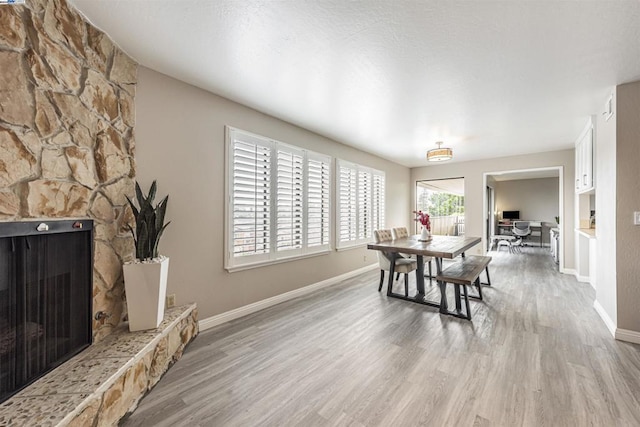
(402,265)
(402,232)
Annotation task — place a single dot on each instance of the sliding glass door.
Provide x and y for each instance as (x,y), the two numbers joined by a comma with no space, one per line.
(443,200)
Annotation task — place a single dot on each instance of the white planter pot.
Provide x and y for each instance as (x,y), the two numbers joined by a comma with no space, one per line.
(146,288)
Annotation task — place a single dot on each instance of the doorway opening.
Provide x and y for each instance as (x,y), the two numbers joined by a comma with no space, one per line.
(443,200)
(532,196)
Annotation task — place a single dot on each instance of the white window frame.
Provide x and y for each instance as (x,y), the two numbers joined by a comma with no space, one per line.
(359,228)
(302,249)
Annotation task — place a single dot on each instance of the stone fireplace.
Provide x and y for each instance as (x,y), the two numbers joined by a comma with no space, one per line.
(67,118)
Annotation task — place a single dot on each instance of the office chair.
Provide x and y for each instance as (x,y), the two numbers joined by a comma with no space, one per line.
(521,229)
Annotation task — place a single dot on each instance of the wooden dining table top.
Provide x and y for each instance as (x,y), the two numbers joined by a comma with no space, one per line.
(439,246)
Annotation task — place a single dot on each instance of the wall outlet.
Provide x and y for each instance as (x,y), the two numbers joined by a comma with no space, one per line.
(171,300)
(636,218)
(365,258)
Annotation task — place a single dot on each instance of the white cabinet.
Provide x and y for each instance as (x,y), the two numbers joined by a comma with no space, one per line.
(584,160)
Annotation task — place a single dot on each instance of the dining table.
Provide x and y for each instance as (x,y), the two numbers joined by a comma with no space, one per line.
(438,247)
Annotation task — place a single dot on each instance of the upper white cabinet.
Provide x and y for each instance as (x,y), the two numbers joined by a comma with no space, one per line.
(584,159)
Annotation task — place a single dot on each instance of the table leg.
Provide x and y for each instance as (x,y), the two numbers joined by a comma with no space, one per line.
(392,270)
(420,277)
(444,306)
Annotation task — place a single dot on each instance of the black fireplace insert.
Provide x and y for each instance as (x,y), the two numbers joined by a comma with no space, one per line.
(46,286)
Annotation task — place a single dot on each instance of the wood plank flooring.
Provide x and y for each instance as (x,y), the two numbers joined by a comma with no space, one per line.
(536,354)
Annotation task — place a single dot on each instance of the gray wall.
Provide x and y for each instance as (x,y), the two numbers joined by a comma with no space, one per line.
(181,143)
(536,199)
(628,201)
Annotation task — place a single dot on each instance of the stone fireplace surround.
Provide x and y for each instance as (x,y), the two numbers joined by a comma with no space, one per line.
(67,119)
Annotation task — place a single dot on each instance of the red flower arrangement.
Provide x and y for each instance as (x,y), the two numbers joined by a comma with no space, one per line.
(423,218)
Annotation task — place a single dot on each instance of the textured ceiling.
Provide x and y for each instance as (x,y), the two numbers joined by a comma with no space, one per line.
(489,78)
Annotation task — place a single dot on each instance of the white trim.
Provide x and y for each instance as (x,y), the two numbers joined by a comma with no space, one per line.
(228,316)
(605,318)
(258,264)
(627,335)
(617,333)
(356,246)
(579,278)
(583,279)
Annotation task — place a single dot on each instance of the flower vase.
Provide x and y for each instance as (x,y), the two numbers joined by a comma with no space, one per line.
(425,236)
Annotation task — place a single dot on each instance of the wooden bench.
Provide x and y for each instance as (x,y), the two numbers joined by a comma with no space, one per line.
(466,272)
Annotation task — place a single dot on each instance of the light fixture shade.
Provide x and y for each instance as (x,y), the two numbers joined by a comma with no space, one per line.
(439,154)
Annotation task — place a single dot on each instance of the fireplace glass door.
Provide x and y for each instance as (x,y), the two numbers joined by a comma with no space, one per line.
(45,303)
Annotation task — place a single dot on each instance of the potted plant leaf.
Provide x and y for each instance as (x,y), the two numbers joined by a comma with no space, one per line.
(145,278)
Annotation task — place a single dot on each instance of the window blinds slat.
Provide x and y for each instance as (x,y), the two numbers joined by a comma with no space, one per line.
(251,198)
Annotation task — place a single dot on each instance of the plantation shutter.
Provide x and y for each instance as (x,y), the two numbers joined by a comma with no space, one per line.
(378,201)
(347,193)
(289,202)
(279,201)
(364,205)
(251,198)
(318,200)
(360,203)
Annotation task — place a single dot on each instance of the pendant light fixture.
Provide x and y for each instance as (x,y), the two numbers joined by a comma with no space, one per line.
(439,154)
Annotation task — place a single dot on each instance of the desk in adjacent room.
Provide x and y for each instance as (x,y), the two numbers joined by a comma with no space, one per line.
(505,228)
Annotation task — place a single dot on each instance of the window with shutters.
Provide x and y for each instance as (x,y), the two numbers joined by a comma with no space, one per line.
(278,201)
(360,203)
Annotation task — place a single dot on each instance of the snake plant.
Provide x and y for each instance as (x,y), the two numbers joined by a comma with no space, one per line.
(149,222)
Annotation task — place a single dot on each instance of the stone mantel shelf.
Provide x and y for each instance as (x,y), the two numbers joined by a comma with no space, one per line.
(107,380)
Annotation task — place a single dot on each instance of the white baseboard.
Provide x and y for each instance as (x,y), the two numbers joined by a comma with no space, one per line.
(228,316)
(611,326)
(574,272)
(627,335)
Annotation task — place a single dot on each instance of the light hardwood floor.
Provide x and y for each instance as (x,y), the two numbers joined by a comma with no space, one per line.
(536,354)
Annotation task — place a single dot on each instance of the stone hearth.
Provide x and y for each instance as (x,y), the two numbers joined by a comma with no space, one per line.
(106,381)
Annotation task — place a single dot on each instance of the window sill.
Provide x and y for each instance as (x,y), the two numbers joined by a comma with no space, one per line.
(259,264)
(359,245)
